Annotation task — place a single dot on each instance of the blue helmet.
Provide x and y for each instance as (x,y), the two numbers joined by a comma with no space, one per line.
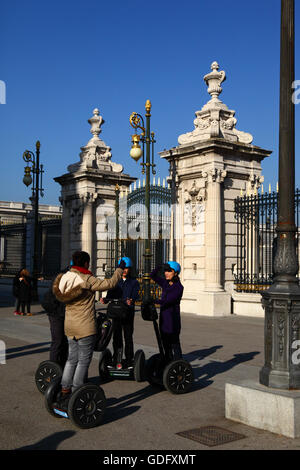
(174,265)
(127,260)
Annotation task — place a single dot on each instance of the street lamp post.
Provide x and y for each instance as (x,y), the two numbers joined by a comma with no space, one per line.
(36,169)
(282,300)
(117,207)
(136,152)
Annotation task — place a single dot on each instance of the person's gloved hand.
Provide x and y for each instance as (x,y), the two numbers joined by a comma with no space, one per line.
(165,267)
(122,264)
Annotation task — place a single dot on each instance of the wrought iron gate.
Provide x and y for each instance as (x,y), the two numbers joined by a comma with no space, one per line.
(129,234)
(256,217)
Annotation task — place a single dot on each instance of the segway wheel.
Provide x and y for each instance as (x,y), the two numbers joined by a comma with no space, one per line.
(104,361)
(50,396)
(86,406)
(153,370)
(139,366)
(46,372)
(178,377)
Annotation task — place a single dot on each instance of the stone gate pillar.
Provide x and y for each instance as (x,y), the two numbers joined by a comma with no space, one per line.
(212,164)
(88,221)
(88,196)
(65,233)
(214,230)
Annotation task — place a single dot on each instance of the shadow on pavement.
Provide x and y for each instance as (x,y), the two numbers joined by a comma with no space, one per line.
(201,353)
(118,408)
(26,350)
(50,442)
(203,374)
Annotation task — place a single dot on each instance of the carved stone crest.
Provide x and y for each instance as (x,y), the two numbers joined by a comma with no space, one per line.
(193,199)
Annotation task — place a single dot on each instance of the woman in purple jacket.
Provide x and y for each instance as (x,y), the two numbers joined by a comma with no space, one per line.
(169,320)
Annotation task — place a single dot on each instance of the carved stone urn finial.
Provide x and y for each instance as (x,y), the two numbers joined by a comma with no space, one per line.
(96,122)
(215,120)
(95,154)
(213,81)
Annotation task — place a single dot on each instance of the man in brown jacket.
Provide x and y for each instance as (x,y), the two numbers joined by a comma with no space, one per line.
(76,289)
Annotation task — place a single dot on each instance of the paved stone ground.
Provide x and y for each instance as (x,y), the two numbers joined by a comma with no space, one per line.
(138,416)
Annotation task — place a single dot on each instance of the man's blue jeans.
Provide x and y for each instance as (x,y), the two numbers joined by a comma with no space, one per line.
(80,356)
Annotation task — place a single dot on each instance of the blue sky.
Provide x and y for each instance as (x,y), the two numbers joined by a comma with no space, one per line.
(61,59)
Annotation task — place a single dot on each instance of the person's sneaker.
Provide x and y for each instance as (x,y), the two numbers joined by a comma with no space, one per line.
(17,313)
(29,314)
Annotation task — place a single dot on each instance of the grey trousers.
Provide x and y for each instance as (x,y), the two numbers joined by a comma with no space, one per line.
(80,355)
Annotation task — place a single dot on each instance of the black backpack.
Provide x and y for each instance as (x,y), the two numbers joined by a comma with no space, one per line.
(51,305)
(148,311)
(118,310)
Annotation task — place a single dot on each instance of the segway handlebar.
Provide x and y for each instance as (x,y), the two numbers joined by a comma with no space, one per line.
(149,313)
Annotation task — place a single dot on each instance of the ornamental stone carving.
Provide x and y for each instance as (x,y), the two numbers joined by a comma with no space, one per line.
(89,198)
(215,119)
(215,175)
(76,218)
(96,154)
(193,198)
(194,194)
(255,181)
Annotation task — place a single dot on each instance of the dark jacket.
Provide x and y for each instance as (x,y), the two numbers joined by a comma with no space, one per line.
(169,320)
(22,289)
(16,285)
(52,306)
(125,289)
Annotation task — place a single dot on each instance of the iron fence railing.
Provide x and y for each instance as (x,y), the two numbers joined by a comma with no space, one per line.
(13,247)
(256,217)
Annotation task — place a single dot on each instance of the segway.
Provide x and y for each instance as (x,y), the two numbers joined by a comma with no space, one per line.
(84,407)
(117,310)
(46,372)
(176,376)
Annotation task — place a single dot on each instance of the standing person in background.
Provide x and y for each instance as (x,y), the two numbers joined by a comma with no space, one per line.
(16,285)
(169,319)
(22,288)
(127,289)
